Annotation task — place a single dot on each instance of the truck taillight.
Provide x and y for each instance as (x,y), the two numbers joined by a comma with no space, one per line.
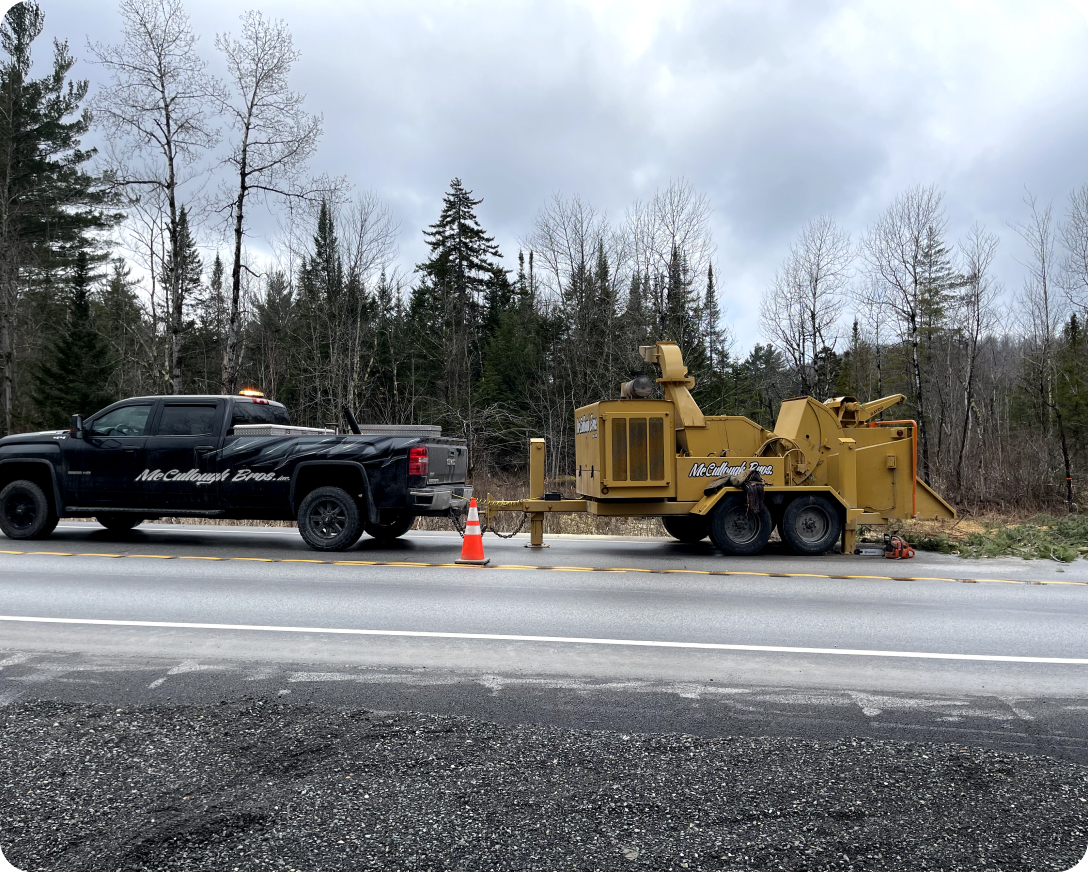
(418,464)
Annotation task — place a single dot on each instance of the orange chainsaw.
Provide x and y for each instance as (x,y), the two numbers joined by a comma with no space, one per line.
(896,548)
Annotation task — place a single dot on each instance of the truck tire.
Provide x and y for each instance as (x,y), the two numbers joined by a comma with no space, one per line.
(686,528)
(328,519)
(25,512)
(735,531)
(119,523)
(811,525)
(390,530)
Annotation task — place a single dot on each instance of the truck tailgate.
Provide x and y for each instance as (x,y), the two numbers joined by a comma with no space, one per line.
(448,461)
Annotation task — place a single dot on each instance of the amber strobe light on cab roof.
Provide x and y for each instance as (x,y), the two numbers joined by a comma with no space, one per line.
(250,392)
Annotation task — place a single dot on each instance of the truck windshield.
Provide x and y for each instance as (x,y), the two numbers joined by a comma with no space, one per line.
(259,413)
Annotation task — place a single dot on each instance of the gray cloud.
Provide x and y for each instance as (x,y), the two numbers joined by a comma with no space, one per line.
(779,111)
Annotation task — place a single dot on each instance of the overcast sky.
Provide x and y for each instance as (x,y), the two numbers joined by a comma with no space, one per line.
(778,111)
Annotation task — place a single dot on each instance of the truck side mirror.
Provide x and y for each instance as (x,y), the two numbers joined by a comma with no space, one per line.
(75,430)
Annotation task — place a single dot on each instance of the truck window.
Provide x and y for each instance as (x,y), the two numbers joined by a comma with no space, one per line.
(186,420)
(259,413)
(126,421)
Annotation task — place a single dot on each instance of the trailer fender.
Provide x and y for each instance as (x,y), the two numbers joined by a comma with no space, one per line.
(709,501)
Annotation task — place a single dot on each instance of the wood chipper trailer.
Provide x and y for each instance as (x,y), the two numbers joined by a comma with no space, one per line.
(826,468)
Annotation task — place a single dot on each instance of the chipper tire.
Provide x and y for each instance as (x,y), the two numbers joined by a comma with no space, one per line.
(811,525)
(392,529)
(686,528)
(328,519)
(737,532)
(25,512)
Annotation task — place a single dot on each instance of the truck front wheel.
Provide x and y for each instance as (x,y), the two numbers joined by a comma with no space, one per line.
(25,512)
(392,528)
(811,525)
(686,528)
(328,519)
(736,530)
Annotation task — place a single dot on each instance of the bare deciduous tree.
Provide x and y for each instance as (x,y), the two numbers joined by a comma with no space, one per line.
(895,251)
(1074,234)
(976,318)
(159,106)
(1041,310)
(800,311)
(275,139)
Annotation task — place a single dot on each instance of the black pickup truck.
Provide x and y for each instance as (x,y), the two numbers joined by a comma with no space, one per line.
(229,457)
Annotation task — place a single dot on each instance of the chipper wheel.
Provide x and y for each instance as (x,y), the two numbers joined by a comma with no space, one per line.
(686,528)
(736,531)
(811,525)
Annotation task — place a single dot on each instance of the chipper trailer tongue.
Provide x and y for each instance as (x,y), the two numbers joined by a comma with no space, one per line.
(825,469)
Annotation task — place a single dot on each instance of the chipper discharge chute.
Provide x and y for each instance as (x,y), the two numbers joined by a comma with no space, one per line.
(825,469)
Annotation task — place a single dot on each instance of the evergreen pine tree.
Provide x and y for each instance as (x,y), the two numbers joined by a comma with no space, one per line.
(122,322)
(49,204)
(73,378)
(189,270)
(322,273)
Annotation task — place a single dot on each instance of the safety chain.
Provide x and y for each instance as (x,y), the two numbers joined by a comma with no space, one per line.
(455,518)
(518,530)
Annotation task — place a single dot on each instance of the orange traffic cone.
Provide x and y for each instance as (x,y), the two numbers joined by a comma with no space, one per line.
(472,546)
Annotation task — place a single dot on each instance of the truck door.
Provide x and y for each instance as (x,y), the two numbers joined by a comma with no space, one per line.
(181,455)
(104,467)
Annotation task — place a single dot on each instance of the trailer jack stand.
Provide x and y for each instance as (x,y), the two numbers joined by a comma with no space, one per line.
(536,531)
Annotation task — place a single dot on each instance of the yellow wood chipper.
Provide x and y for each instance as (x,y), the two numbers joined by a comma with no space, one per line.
(826,469)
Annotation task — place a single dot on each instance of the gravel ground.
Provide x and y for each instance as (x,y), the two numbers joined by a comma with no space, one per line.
(255,785)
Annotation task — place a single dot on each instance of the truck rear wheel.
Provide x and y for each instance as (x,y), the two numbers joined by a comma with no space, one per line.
(736,531)
(119,523)
(25,512)
(686,528)
(811,525)
(328,519)
(392,529)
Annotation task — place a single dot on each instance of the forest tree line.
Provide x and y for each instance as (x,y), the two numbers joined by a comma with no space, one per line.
(121,275)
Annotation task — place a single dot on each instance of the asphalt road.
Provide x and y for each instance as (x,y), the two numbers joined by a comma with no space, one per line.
(631,634)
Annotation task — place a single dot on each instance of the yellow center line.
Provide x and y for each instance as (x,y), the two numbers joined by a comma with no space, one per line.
(521,566)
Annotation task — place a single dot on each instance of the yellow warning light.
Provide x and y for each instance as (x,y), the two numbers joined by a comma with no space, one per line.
(250,392)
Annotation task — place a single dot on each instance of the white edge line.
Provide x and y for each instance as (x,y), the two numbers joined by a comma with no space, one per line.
(567,640)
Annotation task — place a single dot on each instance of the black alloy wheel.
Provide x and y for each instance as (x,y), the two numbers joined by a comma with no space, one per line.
(686,528)
(25,512)
(328,519)
(737,531)
(119,523)
(391,529)
(811,525)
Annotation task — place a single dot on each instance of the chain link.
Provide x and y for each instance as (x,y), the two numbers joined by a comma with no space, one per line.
(455,519)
